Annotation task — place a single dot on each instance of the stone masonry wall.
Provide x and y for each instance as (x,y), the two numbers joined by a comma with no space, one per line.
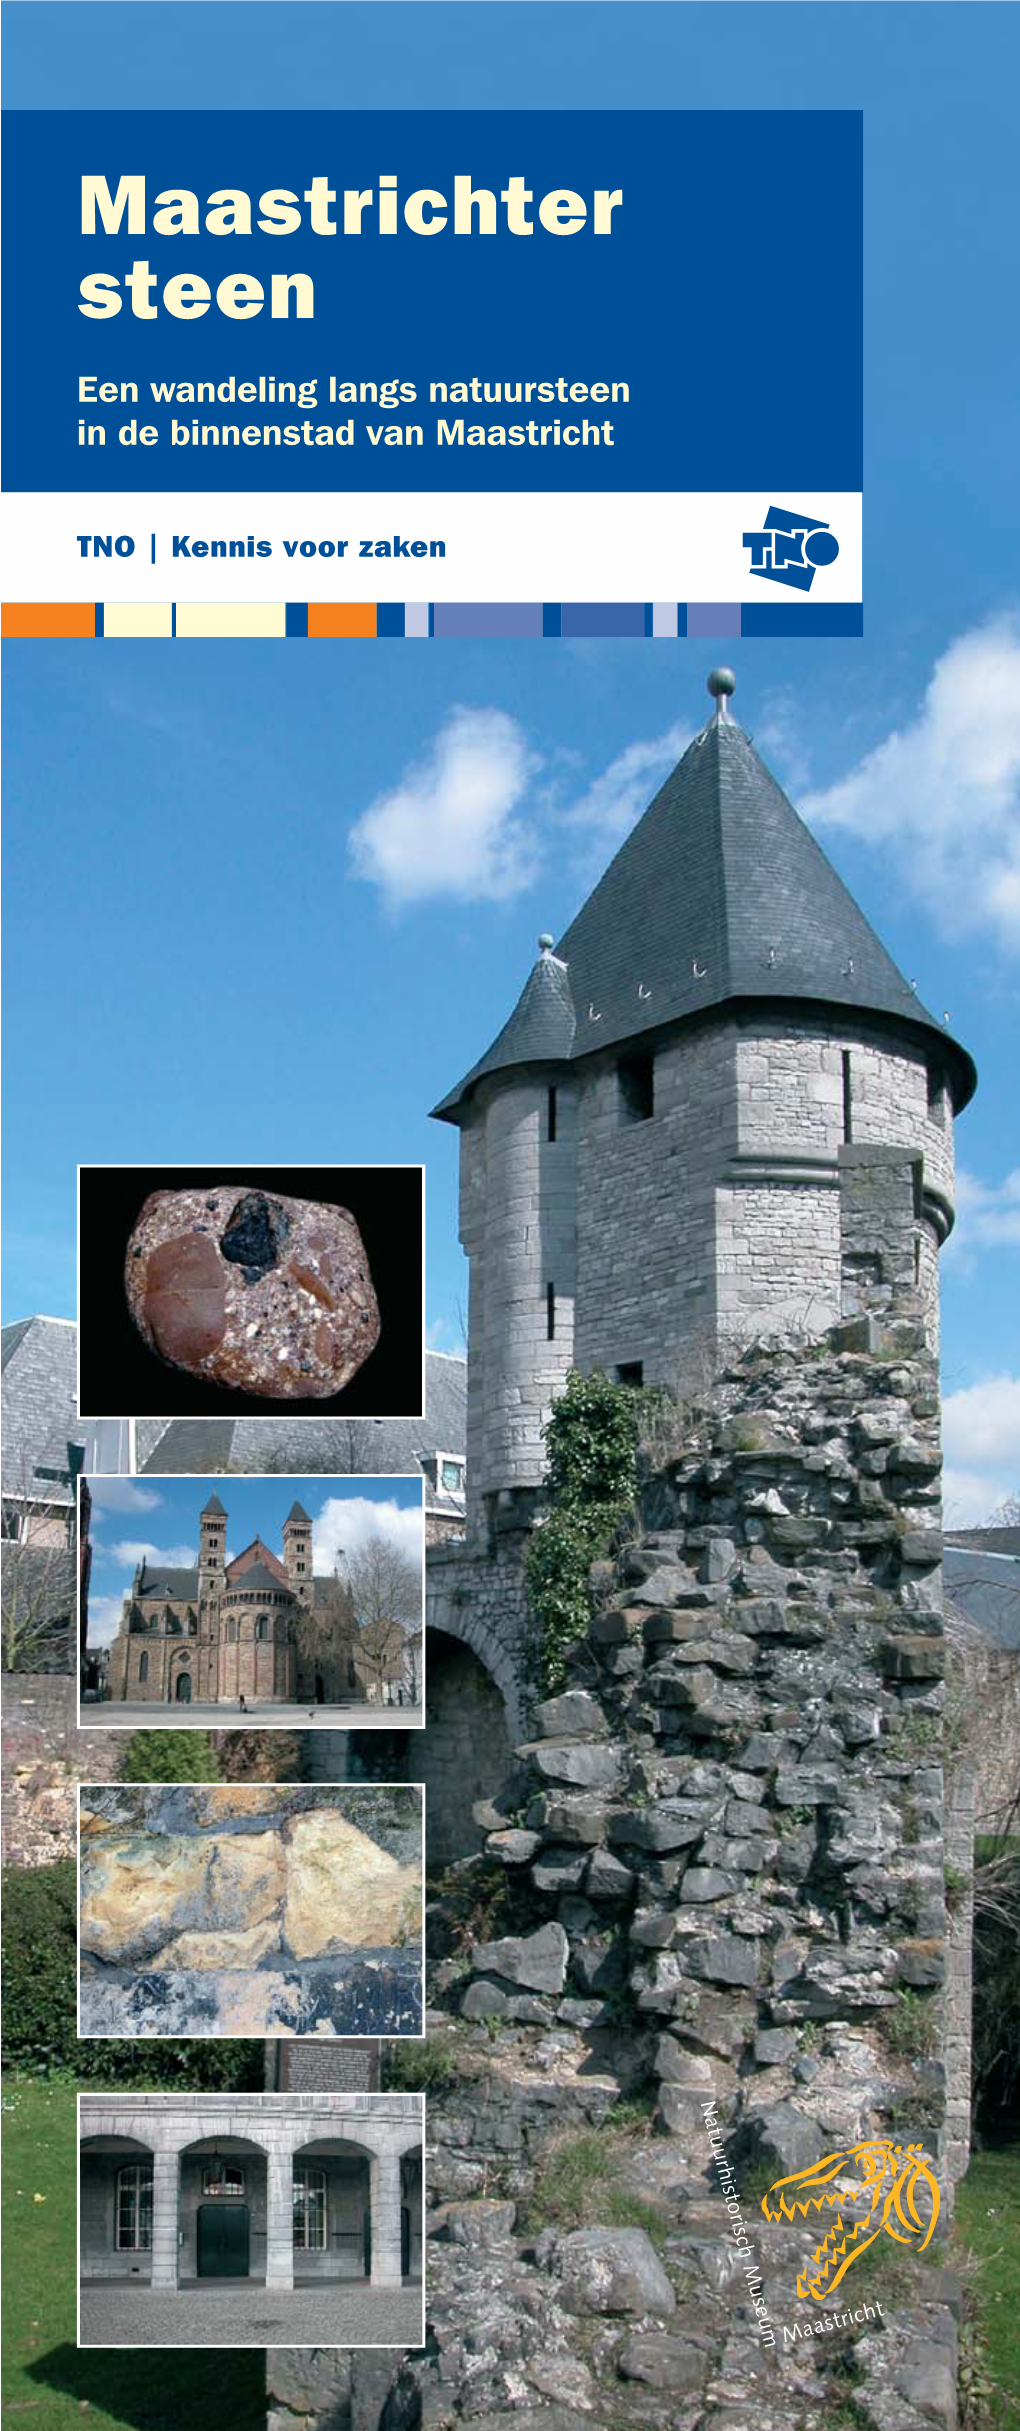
(44,1756)
(735,1811)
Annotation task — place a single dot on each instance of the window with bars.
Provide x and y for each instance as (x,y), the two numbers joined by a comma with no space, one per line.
(310,2210)
(134,2208)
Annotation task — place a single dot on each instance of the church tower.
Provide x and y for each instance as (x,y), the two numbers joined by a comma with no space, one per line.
(717,1109)
(212,1563)
(297,1554)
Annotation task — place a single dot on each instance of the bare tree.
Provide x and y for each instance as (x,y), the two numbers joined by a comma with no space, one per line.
(37,1584)
(384,1584)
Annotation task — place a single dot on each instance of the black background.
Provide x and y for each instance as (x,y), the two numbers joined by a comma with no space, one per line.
(121,1378)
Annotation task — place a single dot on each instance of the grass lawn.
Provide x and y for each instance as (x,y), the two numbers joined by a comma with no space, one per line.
(47,2384)
(988,2228)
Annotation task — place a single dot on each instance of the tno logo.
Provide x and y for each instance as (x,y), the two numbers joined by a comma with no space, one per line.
(790,547)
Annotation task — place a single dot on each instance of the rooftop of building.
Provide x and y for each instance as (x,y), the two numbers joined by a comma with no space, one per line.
(719,896)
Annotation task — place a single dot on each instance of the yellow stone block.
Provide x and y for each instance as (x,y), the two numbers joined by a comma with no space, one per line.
(345,1893)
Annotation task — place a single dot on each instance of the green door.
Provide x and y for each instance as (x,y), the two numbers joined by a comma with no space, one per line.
(223,2240)
(184,1688)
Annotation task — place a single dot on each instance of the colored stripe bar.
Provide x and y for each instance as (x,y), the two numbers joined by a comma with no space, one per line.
(236,620)
(140,620)
(488,621)
(48,620)
(802,621)
(341,620)
(624,619)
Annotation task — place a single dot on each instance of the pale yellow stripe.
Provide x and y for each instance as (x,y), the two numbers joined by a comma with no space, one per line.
(225,620)
(134,620)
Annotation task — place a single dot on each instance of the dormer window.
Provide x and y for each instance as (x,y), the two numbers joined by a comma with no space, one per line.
(452,1476)
(636,1078)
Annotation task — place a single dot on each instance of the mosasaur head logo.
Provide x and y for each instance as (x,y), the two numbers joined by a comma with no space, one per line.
(873,2188)
(790,547)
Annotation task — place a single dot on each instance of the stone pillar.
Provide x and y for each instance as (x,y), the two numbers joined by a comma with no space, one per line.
(165,2184)
(280,2219)
(385,2196)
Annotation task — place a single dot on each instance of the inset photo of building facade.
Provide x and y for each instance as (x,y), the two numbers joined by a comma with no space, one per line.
(247,2219)
(294,1601)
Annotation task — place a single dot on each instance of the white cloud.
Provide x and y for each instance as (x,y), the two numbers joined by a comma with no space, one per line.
(614,801)
(987,1217)
(981,1444)
(168,1557)
(344,1525)
(122,1494)
(941,795)
(453,824)
(104,1618)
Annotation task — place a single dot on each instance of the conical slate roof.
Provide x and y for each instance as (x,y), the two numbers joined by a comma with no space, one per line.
(719,895)
(297,1511)
(213,1508)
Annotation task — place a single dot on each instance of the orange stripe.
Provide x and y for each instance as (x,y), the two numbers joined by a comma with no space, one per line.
(328,618)
(53,620)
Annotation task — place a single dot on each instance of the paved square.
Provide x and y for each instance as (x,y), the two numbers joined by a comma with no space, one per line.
(234,2313)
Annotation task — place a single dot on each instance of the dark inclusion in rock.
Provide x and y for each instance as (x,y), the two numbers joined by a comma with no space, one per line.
(255,1235)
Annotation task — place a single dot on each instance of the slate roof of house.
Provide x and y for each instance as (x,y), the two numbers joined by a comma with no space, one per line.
(719,895)
(40,1414)
(309,1446)
(985,1586)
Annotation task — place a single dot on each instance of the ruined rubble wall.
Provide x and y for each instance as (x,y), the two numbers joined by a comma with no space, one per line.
(741,1793)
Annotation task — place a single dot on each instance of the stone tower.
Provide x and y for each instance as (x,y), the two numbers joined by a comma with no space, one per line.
(212,1565)
(717,1108)
(297,1553)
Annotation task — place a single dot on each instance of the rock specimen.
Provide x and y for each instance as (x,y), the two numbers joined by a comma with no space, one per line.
(250,1911)
(251,1290)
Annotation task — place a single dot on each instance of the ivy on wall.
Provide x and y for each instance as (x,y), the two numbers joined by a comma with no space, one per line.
(591,1486)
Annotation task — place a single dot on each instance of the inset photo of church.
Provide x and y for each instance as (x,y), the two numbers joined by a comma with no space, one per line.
(284,1602)
(228,2219)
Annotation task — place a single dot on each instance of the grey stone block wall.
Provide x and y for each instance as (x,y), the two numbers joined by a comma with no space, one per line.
(730,1211)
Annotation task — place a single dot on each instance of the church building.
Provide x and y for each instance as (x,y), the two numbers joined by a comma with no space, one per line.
(257,1627)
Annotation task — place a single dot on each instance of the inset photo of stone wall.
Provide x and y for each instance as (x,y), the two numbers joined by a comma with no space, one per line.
(290,1602)
(211,1291)
(219,2220)
(244,1911)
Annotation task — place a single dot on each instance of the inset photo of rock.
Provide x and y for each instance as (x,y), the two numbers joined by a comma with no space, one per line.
(227,1290)
(226,2219)
(287,1603)
(236,1910)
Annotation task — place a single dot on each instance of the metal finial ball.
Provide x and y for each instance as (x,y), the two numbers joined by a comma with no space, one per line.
(722,682)
(545,942)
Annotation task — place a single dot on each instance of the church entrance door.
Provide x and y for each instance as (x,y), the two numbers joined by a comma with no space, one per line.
(183,1691)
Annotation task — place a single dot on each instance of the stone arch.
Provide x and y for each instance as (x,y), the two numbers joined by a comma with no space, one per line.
(465,1748)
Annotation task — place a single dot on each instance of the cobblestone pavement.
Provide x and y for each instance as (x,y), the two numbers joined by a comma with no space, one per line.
(233,2313)
(229,1717)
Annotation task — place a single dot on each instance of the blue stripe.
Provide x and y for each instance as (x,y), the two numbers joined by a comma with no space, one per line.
(297,620)
(389,620)
(801,620)
(552,620)
(100,624)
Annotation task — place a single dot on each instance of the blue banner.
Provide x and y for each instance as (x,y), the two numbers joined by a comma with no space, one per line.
(606,301)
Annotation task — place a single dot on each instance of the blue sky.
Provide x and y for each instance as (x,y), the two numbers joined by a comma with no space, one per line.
(156,1519)
(197,970)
